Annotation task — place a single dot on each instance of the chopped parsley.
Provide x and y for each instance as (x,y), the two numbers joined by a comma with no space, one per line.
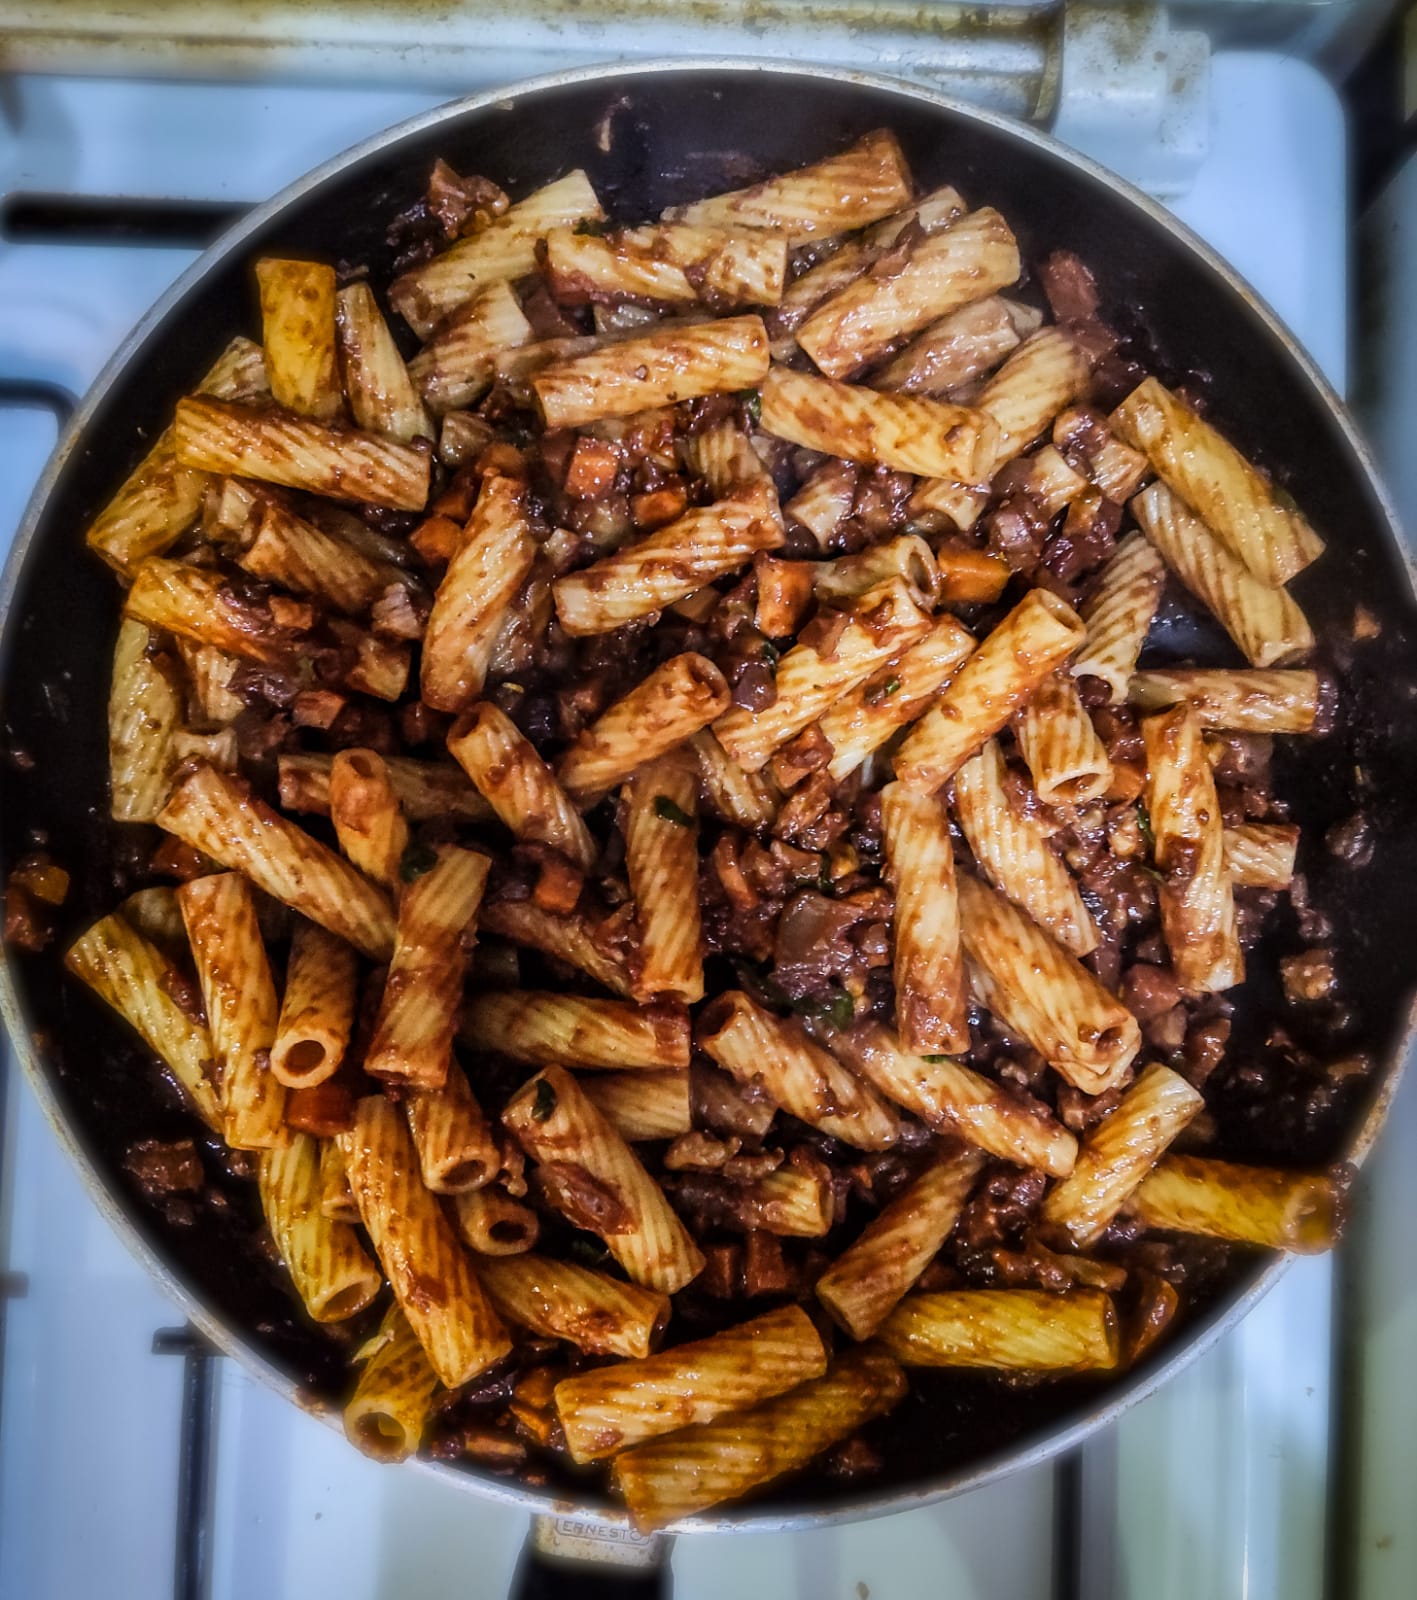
(1148,838)
(752,404)
(838,1009)
(668,811)
(587,1250)
(937,1058)
(545,1101)
(587,225)
(416,860)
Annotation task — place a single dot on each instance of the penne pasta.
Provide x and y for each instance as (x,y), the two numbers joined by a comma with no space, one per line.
(388,1411)
(381,394)
(1008,1330)
(878,626)
(1065,754)
(665,1479)
(460,1332)
(864,1284)
(560,1300)
(491,1223)
(240,1000)
(1260,855)
(1117,1154)
(1040,992)
(958,348)
(672,563)
(217,815)
(1118,614)
(369,822)
(911,434)
(1246,702)
(132,975)
(931,1006)
(144,719)
(495,555)
(1299,1211)
(1196,898)
(317,1008)
(660,825)
(457,1149)
(1012,850)
(459,362)
(277,447)
(775,1053)
(298,336)
(329,1267)
(953,1099)
(610,1409)
(641,1104)
(677,700)
(500,252)
(670,263)
(1000,676)
(867,181)
(577,1149)
(1265,623)
(518,785)
(659,368)
(412,1043)
(974,257)
(1267,533)
(425,789)
(541,1027)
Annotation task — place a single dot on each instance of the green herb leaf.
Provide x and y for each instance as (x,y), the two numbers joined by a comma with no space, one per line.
(840,1010)
(937,1058)
(1148,838)
(771,653)
(668,811)
(597,229)
(590,1252)
(545,1102)
(416,860)
(753,404)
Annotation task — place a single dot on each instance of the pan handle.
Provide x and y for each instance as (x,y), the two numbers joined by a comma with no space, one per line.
(566,1559)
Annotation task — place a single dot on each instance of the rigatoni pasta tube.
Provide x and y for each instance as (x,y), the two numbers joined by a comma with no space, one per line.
(954,1099)
(611,1408)
(866,1281)
(531,1026)
(747,798)
(560,1300)
(1265,623)
(958,348)
(1196,899)
(1245,702)
(972,258)
(1013,851)
(369,821)
(328,1265)
(865,182)
(416,1246)
(499,252)
(336,1201)
(1118,614)
(569,938)
(931,1005)
(671,563)
(1065,754)
(1007,1330)
(413,1033)
(825,499)
(275,447)
(457,1149)
(640,1104)
(426,789)
(1046,371)
(298,336)
(931,437)
(504,765)
(1117,1154)
(490,564)
(1298,1211)
(1037,990)
(860,722)
(998,678)
(575,1146)
(216,814)
(388,1411)
(490,1222)
(1235,502)
(675,701)
(659,808)
(724,457)
(665,1479)
(907,557)
(799,1075)
(457,365)
(675,262)
(316,1009)
(659,368)
(240,998)
(879,625)
(381,394)
(289,551)
(144,715)
(1260,855)
(134,977)
(192,603)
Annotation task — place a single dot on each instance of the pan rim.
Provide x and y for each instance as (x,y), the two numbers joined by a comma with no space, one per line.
(1225,1314)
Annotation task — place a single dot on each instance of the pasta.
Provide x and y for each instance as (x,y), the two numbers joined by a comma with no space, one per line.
(317,1008)
(329,1267)
(1011,1330)
(662,860)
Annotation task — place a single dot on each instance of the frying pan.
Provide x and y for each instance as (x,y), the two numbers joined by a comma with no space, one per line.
(650,136)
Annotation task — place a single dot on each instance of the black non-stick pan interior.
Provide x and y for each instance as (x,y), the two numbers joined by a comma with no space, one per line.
(647,140)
